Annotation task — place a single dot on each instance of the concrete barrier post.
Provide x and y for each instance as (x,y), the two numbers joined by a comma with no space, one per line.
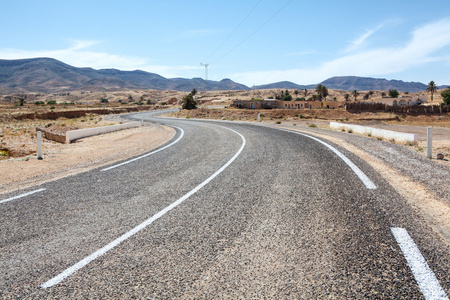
(429,142)
(39,145)
(259,117)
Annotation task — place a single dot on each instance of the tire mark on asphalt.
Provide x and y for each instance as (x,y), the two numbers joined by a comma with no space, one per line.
(69,271)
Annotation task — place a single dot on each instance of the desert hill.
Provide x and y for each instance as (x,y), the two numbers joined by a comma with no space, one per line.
(50,75)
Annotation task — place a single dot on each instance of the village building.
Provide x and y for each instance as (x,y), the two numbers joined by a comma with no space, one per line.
(402,101)
(272,104)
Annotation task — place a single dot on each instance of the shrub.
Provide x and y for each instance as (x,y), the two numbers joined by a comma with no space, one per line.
(278,122)
(188,102)
(446,96)
(313,125)
(393,93)
(51,102)
(104,100)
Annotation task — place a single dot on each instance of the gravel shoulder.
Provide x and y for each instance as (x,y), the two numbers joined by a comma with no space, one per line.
(62,160)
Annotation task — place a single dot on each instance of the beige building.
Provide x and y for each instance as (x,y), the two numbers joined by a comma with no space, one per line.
(402,101)
(272,103)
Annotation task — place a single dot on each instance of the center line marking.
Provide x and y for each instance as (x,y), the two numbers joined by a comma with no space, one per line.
(148,154)
(21,196)
(427,281)
(69,271)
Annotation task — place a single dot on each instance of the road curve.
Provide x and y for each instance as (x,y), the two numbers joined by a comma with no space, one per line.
(286,218)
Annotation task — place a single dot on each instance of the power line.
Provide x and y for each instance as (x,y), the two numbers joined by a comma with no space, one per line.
(237,27)
(251,34)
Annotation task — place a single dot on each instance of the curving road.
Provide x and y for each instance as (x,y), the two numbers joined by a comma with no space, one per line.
(224,210)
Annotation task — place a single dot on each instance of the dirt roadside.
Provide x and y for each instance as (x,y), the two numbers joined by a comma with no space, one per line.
(62,160)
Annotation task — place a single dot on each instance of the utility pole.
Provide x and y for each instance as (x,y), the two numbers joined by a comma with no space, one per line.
(206,73)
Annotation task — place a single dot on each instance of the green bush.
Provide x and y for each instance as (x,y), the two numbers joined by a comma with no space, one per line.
(51,102)
(446,96)
(393,93)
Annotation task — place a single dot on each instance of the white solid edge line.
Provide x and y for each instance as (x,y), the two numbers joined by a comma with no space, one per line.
(363,177)
(427,281)
(148,154)
(21,196)
(69,271)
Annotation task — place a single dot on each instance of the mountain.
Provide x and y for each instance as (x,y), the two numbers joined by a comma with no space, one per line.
(284,85)
(350,83)
(51,75)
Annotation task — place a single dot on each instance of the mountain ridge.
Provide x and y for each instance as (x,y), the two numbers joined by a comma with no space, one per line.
(51,75)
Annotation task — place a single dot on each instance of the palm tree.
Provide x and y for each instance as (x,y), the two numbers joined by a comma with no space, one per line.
(322,91)
(355,94)
(431,88)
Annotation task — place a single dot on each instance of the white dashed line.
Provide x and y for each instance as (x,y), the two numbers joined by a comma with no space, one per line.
(148,154)
(427,281)
(57,279)
(21,196)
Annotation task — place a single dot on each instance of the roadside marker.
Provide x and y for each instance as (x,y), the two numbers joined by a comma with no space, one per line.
(427,281)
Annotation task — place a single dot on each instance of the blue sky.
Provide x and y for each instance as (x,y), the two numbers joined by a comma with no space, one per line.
(251,42)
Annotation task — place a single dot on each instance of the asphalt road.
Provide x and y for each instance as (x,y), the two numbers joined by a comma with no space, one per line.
(228,210)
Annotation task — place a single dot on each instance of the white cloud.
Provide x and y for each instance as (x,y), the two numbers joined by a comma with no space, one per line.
(418,51)
(78,54)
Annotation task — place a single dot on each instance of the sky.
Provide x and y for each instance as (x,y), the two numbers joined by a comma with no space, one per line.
(253,42)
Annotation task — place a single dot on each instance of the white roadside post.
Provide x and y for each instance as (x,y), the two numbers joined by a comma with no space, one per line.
(39,145)
(259,117)
(429,141)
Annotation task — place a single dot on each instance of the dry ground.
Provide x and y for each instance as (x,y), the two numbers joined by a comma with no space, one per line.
(61,160)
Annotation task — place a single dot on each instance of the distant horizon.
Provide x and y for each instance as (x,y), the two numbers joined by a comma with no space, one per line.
(300,84)
(252,42)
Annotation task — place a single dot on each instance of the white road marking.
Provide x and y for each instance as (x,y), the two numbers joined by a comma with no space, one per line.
(21,196)
(69,271)
(363,177)
(427,281)
(150,153)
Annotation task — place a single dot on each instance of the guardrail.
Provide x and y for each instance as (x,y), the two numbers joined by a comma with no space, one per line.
(375,132)
(72,135)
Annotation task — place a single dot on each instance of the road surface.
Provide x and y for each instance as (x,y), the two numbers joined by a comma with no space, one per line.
(224,210)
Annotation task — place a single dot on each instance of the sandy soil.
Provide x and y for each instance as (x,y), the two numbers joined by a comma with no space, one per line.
(61,160)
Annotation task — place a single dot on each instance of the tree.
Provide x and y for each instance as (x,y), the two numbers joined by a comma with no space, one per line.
(355,94)
(393,93)
(305,91)
(347,97)
(366,96)
(296,93)
(21,101)
(432,88)
(188,102)
(322,91)
(446,96)
(193,92)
